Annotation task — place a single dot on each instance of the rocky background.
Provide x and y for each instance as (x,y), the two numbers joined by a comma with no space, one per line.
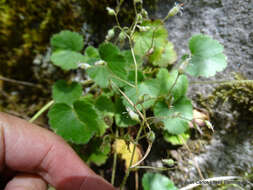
(229,152)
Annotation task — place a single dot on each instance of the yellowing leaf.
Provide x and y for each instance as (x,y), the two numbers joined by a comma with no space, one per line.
(120,147)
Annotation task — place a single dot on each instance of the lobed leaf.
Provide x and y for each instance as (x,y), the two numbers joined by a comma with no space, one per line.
(207,56)
(66,93)
(67,40)
(147,92)
(176,139)
(65,122)
(104,104)
(98,151)
(153,42)
(164,56)
(92,52)
(100,74)
(156,181)
(67,59)
(155,36)
(175,119)
(115,60)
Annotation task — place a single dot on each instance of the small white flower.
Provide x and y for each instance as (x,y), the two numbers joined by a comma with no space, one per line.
(100,62)
(110,11)
(84,65)
(132,114)
(176,9)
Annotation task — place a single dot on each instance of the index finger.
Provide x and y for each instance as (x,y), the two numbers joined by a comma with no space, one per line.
(26,147)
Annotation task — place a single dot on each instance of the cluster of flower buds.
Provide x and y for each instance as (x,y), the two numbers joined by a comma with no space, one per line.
(175,10)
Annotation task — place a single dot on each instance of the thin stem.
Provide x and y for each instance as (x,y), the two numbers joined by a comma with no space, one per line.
(144,122)
(41,111)
(223,82)
(135,9)
(174,84)
(19,82)
(144,157)
(122,80)
(132,157)
(117,21)
(153,168)
(114,162)
(135,64)
(136,180)
(87,82)
(136,21)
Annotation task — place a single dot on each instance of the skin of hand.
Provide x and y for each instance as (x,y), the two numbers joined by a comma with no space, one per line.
(34,157)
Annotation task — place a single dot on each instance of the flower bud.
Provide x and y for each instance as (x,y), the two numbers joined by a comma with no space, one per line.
(176,9)
(144,28)
(132,114)
(144,13)
(110,11)
(110,34)
(122,36)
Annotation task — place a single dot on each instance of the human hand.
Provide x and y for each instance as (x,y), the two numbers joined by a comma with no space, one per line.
(33,156)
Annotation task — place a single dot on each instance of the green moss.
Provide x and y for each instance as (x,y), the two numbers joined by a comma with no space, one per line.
(26,27)
(238,92)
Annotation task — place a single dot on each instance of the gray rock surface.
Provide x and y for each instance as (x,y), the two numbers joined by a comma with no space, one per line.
(228,21)
(230,152)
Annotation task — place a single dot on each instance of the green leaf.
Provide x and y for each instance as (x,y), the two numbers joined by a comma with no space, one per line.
(106,109)
(207,56)
(107,50)
(170,83)
(175,119)
(104,104)
(117,65)
(113,68)
(67,59)
(67,40)
(115,60)
(165,81)
(176,139)
(147,92)
(92,52)
(100,74)
(156,181)
(88,114)
(131,76)
(98,151)
(66,93)
(154,43)
(130,60)
(164,56)
(156,35)
(91,55)
(122,118)
(180,88)
(65,122)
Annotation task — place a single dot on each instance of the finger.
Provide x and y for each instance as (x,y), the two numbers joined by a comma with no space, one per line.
(29,148)
(26,182)
(1,149)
